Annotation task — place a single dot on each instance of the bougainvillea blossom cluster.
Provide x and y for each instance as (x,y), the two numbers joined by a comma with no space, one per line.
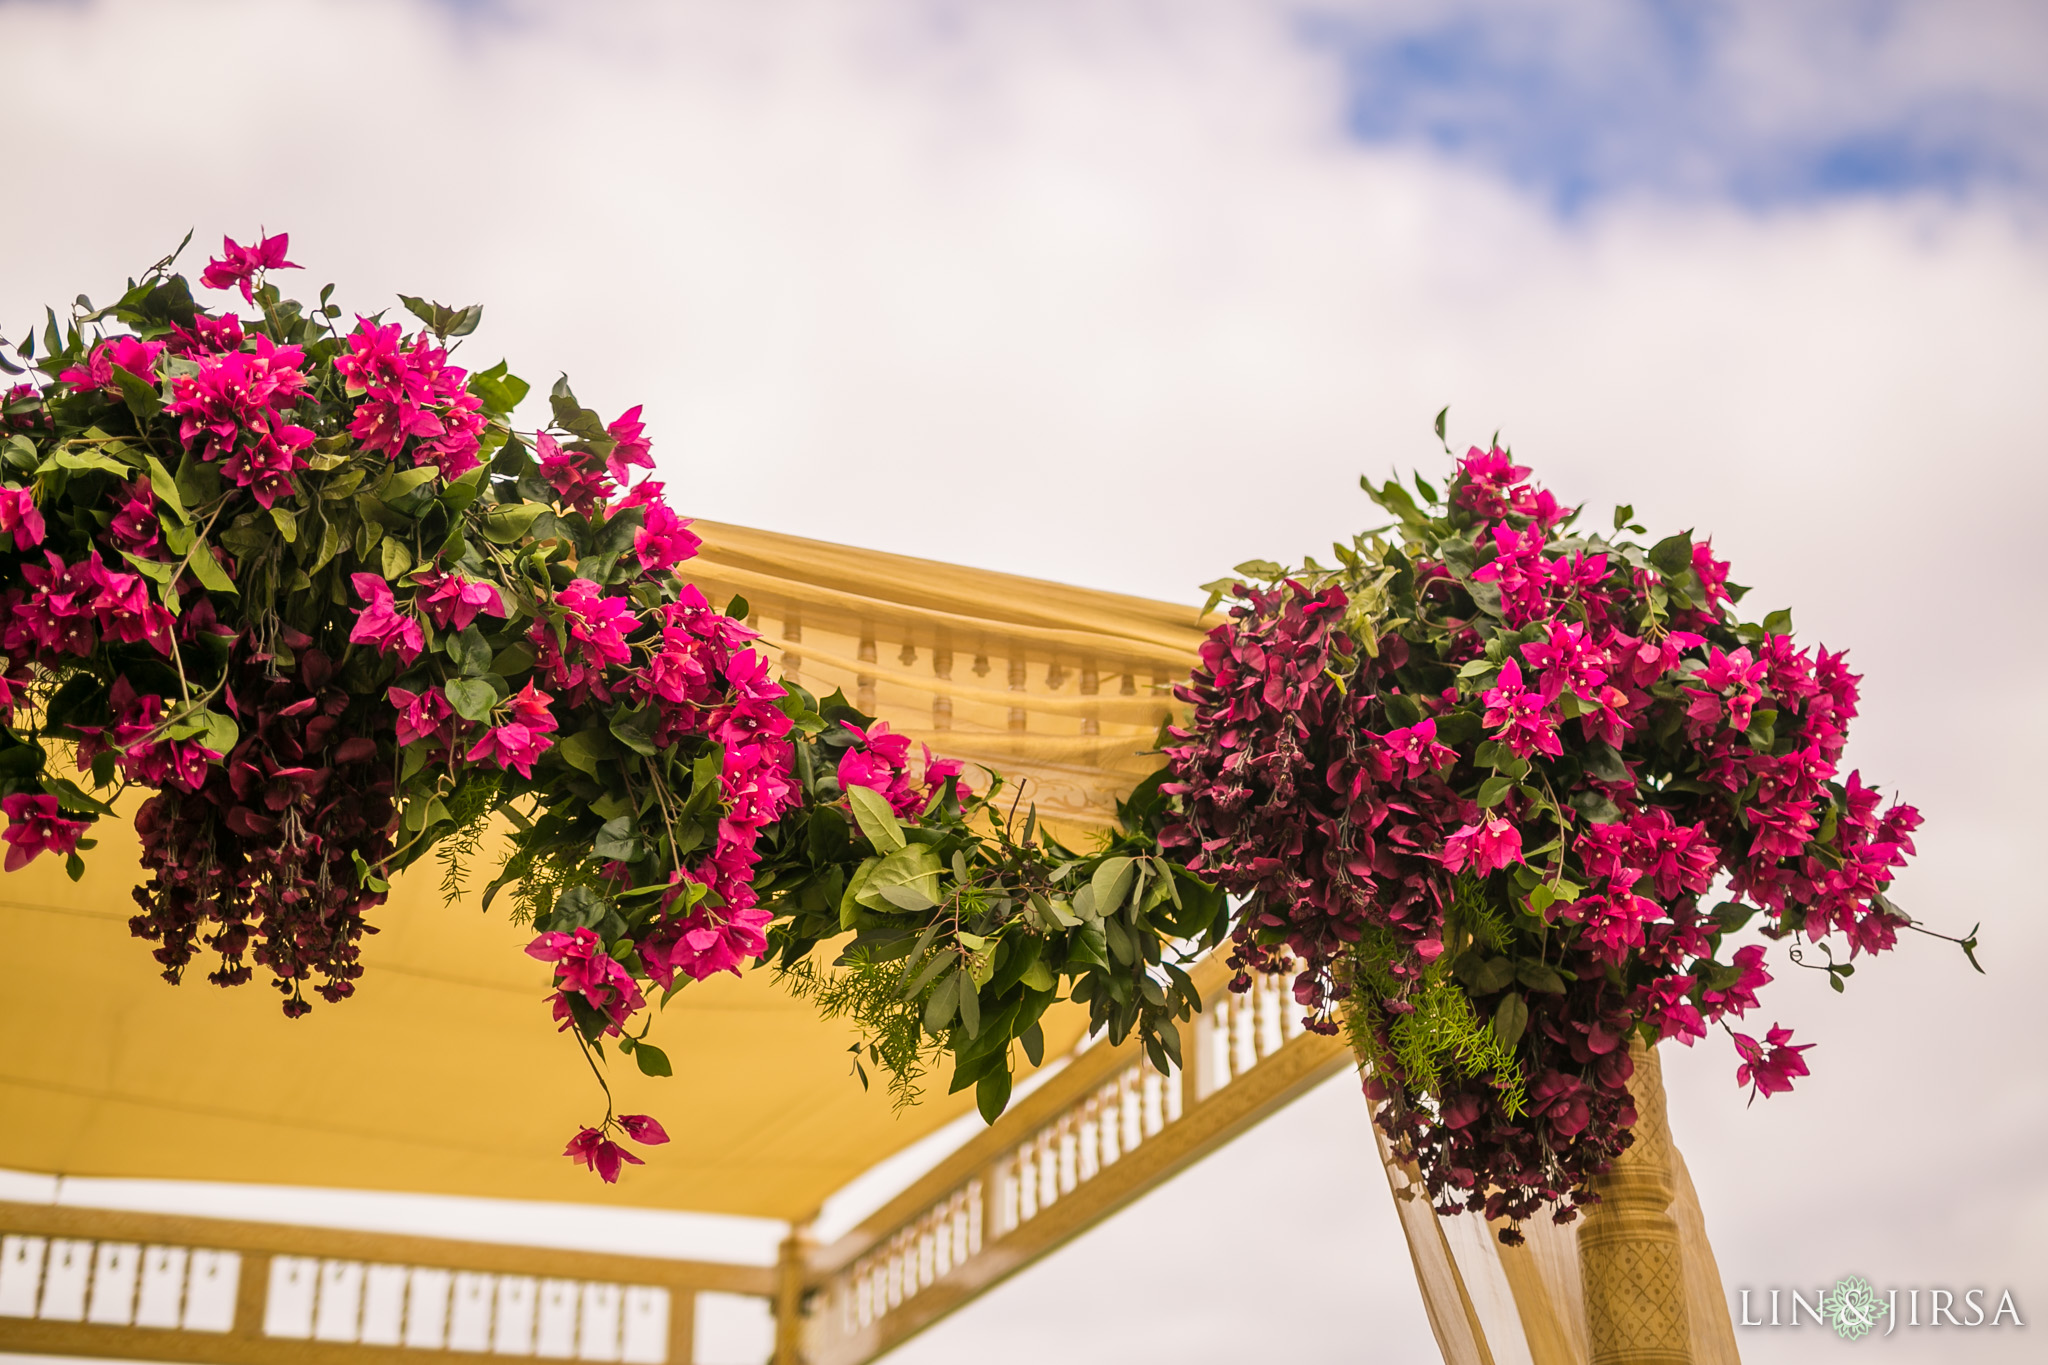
(1479,784)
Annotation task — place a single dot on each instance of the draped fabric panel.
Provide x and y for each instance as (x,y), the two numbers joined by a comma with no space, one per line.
(1062,690)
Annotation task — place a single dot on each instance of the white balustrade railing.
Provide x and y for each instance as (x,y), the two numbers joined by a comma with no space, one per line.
(425,1308)
(1106,1120)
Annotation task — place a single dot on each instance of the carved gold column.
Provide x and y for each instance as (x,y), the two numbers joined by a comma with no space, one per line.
(1630,1260)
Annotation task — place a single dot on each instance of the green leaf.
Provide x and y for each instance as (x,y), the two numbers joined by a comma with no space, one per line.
(876,820)
(474,700)
(396,486)
(509,522)
(469,651)
(1511,1019)
(1596,807)
(1039,977)
(1604,763)
(1494,790)
(635,730)
(287,524)
(1539,976)
(1111,883)
(907,879)
(1033,1040)
(992,1093)
(1673,554)
(970,1006)
(221,733)
(945,1002)
(397,560)
(88,460)
(1623,515)
(207,569)
(166,486)
(619,839)
(583,750)
(653,1061)
(139,395)
(198,480)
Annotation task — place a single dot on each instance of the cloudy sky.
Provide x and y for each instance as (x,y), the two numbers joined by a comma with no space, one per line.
(1123,293)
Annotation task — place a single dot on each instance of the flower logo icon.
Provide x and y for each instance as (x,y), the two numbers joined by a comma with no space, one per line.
(1853,1307)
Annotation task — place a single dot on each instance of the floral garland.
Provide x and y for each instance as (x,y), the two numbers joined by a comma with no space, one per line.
(1477,783)
(311,588)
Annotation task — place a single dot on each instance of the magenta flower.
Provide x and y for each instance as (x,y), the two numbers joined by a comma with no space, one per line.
(513,747)
(18,516)
(1484,848)
(237,265)
(1668,1005)
(596,1152)
(1519,718)
(1739,997)
(134,527)
(582,967)
(632,449)
(132,354)
(1412,751)
(1769,1067)
(577,477)
(643,1129)
(381,626)
(452,601)
(35,828)
(420,714)
(705,943)
(664,539)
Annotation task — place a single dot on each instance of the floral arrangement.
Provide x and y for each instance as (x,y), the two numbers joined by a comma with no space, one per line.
(1474,785)
(1478,784)
(309,586)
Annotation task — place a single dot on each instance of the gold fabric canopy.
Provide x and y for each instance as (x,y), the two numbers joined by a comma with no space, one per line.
(444,1075)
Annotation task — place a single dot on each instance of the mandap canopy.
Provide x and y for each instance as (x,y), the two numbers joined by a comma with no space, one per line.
(114,1073)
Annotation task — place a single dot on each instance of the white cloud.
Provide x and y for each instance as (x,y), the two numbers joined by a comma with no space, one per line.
(1102,293)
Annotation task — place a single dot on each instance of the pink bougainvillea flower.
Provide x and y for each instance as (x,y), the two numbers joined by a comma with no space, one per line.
(1413,750)
(18,516)
(583,968)
(381,626)
(1739,996)
(1668,1005)
(1768,1067)
(643,1129)
(513,747)
(1520,718)
(35,827)
(705,943)
(578,478)
(1484,847)
(237,265)
(633,449)
(452,601)
(420,714)
(132,354)
(664,539)
(593,1150)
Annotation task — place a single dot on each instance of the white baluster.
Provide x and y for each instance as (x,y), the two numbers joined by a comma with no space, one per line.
(1244,1023)
(1270,1010)
(1090,1141)
(1154,1099)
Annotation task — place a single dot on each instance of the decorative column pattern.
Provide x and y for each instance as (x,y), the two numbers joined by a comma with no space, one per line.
(1630,1259)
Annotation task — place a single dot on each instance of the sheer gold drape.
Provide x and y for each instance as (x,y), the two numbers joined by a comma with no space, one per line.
(1065,688)
(1060,688)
